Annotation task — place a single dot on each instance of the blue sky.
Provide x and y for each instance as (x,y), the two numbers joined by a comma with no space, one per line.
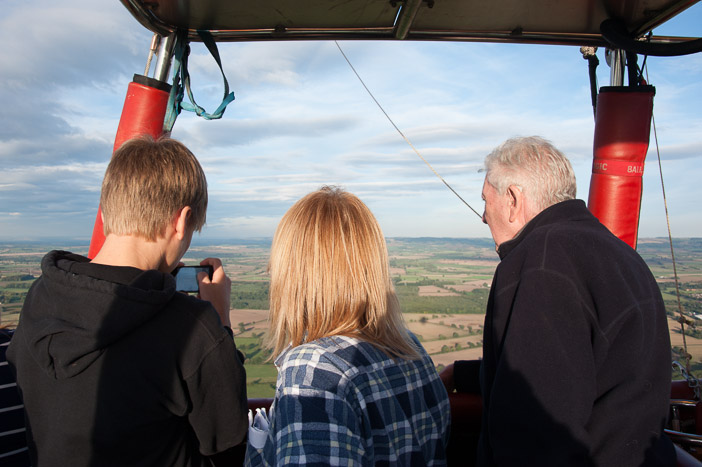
(301,119)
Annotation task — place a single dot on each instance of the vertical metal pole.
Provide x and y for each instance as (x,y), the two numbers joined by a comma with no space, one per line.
(165,56)
(155,43)
(616,63)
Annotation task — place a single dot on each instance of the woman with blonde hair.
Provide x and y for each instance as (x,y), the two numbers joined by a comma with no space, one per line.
(354,387)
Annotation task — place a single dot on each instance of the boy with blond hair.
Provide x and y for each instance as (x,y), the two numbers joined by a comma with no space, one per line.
(115,366)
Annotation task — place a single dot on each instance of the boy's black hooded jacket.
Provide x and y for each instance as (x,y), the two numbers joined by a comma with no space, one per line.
(117,368)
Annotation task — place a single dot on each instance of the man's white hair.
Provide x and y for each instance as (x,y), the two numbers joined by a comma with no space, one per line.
(533,164)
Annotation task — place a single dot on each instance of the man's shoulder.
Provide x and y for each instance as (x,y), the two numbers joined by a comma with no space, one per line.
(574,237)
(573,249)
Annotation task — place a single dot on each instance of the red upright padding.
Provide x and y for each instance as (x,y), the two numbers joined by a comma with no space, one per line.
(143,114)
(622,128)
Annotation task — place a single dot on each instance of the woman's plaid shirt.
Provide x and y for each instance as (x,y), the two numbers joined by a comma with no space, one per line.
(342,401)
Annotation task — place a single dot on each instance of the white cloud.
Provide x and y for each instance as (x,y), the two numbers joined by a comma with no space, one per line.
(302,119)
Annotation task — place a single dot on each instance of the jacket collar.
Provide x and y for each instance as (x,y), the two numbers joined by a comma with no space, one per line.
(573,209)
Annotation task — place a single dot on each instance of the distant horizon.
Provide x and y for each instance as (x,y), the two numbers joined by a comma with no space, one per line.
(238,240)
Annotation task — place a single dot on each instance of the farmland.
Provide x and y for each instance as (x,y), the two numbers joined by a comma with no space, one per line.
(442,285)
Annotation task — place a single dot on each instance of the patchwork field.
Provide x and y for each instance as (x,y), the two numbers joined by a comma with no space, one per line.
(442,285)
(434,291)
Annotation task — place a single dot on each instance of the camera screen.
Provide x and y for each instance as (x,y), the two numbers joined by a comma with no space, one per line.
(186,277)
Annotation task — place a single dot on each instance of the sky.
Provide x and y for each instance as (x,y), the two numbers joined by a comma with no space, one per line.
(301,119)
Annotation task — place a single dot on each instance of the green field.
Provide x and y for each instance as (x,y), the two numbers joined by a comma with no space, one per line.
(442,285)
(260,380)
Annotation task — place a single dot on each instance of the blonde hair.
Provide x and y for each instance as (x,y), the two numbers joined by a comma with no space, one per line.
(330,276)
(543,173)
(147,182)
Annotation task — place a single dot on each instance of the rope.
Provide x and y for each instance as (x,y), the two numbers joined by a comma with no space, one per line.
(682,319)
(402,134)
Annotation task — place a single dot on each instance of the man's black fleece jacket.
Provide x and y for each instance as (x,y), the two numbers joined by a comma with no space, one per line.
(576,353)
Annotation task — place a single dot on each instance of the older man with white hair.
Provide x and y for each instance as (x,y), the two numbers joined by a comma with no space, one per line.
(576,351)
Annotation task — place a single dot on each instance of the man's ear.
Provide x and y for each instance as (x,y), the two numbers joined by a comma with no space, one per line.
(516,203)
(181,222)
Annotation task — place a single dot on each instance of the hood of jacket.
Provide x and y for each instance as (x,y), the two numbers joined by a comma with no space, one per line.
(69,319)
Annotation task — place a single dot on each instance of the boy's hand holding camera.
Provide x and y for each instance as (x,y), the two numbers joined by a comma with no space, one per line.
(216,290)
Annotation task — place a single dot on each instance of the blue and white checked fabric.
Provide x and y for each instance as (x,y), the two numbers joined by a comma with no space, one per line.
(341,401)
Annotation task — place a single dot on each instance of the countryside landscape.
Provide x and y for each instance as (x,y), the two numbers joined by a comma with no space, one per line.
(442,284)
